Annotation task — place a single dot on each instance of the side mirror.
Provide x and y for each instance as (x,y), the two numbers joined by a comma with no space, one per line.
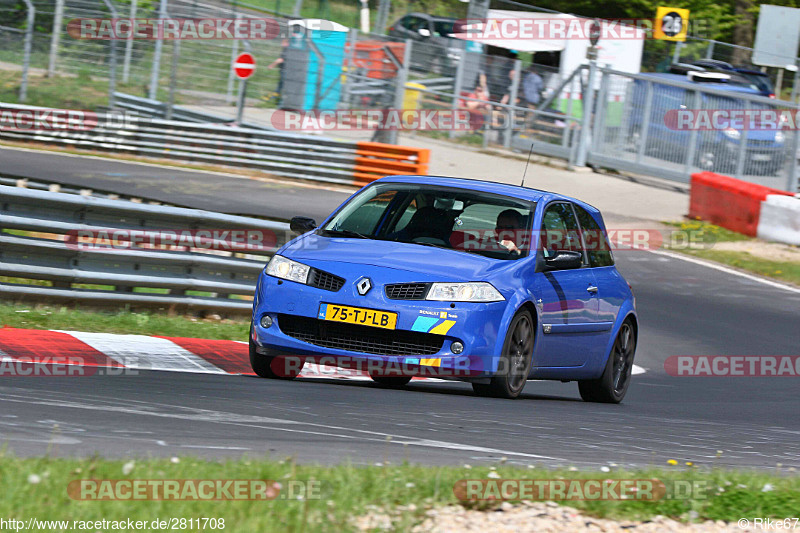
(302,224)
(425,32)
(563,260)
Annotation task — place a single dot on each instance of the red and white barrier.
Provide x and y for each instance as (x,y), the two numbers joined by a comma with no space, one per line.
(744,207)
(779,219)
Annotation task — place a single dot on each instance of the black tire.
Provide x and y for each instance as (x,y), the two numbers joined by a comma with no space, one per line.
(394,382)
(613,384)
(264,365)
(515,363)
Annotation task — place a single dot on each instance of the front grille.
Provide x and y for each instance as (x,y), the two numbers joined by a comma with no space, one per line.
(407,291)
(324,280)
(360,339)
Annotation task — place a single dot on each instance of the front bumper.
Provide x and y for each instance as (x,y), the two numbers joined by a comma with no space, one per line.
(296,330)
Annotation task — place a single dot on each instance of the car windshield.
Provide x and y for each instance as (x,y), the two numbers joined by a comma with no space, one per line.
(468,221)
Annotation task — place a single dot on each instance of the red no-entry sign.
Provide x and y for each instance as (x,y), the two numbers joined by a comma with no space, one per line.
(244,65)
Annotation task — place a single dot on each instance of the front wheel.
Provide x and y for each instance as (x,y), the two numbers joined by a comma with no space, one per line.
(613,384)
(271,366)
(515,362)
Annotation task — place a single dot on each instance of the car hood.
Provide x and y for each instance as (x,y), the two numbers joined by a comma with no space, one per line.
(430,262)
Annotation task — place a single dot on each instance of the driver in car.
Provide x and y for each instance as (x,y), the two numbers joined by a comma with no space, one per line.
(507,230)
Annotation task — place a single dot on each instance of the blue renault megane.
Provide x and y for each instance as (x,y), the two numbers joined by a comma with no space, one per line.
(456,278)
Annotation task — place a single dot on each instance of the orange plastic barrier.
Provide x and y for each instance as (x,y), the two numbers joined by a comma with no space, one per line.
(728,202)
(375,160)
(371,55)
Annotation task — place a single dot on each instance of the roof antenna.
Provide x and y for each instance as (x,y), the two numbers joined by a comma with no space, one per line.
(526,166)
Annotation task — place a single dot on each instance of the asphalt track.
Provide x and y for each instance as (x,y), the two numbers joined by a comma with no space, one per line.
(685,309)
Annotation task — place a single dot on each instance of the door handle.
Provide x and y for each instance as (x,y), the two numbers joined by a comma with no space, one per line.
(592,289)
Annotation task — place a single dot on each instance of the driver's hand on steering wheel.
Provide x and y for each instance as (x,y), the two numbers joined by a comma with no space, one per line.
(510,246)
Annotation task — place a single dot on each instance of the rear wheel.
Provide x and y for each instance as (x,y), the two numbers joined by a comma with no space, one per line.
(391,381)
(515,362)
(273,366)
(613,384)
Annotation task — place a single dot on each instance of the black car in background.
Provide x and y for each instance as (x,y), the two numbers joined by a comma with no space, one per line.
(753,75)
(434,49)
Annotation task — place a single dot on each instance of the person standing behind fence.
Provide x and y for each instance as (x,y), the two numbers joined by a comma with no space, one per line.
(532,85)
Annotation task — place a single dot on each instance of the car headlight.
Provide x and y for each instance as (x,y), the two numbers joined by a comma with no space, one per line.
(464,292)
(284,268)
(779,137)
(732,134)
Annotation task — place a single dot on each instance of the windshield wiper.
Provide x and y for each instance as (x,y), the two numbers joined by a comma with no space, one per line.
(429,244)
(346,233)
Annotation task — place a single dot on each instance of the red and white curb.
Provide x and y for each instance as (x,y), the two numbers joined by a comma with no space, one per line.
(173,354)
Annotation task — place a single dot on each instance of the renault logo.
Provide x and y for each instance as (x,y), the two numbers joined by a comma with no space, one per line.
(363,286)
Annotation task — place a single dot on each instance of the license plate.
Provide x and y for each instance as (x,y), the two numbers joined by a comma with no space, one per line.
(761,157)
(357,315)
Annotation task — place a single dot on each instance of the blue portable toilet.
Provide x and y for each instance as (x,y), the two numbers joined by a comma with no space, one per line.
(315,58)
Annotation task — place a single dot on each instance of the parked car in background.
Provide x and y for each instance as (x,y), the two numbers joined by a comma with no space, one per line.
(717,150)
(752,74)
(435,51)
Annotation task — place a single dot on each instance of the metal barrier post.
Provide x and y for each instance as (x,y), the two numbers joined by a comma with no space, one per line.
(231,75)
(648,107)
(512,101)
(457,85)
(599,132)
(26,62)
(676,54)
(742,155)
(112,60)
(791,178)
(588,105)
(566,136)
(710,50)
(690,154)
(58,17)
(153,91)
(126,63)
(400,88)
(350,63)
(173,77)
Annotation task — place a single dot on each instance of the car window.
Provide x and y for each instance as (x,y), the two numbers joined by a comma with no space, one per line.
(595,239)
(442,28)
(414,23)
(365,217)
(559,230)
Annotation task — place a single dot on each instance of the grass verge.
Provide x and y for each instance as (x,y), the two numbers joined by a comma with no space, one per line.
(66,318)
(37,487)
(704,236)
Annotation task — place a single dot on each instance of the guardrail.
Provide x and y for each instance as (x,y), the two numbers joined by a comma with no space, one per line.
(279,153)
(72,248)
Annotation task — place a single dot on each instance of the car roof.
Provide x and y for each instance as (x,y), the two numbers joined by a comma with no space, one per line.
(516,191)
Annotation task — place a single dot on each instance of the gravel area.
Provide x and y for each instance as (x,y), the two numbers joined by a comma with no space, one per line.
(539,517)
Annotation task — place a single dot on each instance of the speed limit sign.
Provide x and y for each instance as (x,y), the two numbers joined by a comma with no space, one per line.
(671,24)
